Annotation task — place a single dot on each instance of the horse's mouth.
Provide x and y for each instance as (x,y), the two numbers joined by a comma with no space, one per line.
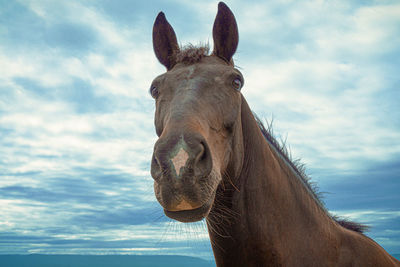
(192,215)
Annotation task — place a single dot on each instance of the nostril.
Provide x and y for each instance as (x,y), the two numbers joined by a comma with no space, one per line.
(202,154)
(203,164)
(155,168)
(156,162)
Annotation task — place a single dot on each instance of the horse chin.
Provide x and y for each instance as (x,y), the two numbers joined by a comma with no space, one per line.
(193,215)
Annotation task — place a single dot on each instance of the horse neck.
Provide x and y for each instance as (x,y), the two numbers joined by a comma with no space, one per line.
(270,208)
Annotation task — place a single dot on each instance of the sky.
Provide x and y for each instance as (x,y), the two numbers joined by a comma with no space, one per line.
(76,118)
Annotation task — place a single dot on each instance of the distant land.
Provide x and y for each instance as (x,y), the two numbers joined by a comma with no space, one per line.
(39,260)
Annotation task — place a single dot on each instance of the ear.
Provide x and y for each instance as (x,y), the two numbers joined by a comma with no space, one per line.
(225,33)
(164,41)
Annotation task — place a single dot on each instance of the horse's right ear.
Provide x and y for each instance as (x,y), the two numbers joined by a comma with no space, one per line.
(225,33)
(164,41)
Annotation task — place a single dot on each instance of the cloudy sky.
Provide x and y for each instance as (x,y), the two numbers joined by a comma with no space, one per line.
(76,119)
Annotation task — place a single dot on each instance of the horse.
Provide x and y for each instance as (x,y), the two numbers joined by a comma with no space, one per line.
(215,160)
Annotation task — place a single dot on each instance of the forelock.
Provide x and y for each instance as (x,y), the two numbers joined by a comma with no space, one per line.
(190,54)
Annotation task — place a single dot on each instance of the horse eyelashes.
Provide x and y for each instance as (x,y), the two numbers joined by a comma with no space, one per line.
(237,84)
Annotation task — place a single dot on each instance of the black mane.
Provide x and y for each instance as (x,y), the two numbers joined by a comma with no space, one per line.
(299,169)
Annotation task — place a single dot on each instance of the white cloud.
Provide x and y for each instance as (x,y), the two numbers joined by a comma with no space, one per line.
(54,128)
(323,93)
(368,216)
(371,30)
(306,98)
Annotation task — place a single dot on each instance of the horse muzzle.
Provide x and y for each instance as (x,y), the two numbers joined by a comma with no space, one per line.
(181,167)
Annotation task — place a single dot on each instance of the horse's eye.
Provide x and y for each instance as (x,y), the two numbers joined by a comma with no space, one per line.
(237,84)
(154,91)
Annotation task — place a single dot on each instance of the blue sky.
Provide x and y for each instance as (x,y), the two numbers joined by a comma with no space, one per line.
(76,119)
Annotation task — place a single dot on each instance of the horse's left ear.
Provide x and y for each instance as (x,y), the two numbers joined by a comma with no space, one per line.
(165,43)
(225,33)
